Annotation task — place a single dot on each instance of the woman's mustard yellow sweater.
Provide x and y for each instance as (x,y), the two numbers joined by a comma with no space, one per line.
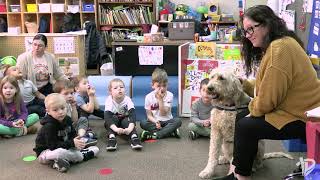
(286,84)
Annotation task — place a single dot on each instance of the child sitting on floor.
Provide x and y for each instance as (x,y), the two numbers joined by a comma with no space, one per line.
(33,99)
(87,103)
(81,125)
(160,122)
(57,143)
(14,118)
(120,116)
(200,113)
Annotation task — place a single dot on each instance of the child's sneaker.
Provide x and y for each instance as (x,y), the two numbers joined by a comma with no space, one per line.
(89,152)
(193,135)
(145,135)
(176,133)
(61,165)
(89,141)
(111,144)
(91,134)
(22,131)
(135,143)
(32,129)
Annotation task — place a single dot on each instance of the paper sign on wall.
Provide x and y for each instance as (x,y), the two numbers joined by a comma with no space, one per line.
(63,45)
(289,17)
(28,43)
(150,55)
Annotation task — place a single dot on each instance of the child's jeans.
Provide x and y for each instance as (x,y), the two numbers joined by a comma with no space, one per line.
(203,131)
(31,120)
(82,123)
(168,127)
(124,123)
(71,155)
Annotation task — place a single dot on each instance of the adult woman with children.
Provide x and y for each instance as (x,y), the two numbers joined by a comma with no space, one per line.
(286,86)
(39,66)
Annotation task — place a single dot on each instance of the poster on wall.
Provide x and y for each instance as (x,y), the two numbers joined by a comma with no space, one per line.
(150,55)
(28,43)
(314,36)
(63,45)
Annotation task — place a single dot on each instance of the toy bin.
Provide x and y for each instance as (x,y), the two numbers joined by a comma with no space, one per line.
(3,8)
(44,7)
(57,7)
(73,8)
(294,145)
(15,8)
(87,7)
(32,8)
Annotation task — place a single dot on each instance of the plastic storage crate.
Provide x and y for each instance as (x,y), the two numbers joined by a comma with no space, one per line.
(57,7)
(294,145)
(3,8)
(32,8)
(15,8)
(87,7)
(45,7)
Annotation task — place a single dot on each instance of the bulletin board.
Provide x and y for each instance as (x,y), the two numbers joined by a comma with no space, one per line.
(194,67)
(72,51)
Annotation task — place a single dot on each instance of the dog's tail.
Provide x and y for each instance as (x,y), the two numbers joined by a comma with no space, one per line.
(277,155)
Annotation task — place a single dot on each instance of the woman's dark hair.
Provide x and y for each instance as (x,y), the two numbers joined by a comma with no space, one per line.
(42,38)
(277,29)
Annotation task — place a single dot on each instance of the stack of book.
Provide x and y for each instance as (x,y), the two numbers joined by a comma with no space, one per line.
(126,15)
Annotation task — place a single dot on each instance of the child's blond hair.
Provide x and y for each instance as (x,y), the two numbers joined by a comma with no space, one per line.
(61,85)
(54,99)
(160,76)
(114,80)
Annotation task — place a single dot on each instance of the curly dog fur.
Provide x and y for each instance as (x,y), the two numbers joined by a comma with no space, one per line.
(226,90)
(228,99)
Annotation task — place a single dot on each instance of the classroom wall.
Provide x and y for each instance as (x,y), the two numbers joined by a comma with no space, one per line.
(225,6)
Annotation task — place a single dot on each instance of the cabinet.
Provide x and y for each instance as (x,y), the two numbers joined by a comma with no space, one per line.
(17,12)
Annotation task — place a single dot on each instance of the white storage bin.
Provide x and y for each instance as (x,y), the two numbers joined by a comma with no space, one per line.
(73,9)
(45,7)
(14,30)
(57,7)
(106,69)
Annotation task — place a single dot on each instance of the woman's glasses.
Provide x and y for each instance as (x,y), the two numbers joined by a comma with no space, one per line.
(249,31)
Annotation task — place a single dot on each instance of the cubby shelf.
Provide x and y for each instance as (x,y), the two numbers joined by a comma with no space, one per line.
(46,8)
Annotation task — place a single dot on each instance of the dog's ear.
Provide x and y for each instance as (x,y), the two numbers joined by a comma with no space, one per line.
(238,91)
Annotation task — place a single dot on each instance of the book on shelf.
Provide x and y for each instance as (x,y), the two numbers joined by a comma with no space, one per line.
(126,15)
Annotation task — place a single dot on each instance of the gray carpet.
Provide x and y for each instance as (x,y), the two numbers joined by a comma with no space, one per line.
(167,159)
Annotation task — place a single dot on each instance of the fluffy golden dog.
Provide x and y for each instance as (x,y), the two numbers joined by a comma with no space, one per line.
(228,99)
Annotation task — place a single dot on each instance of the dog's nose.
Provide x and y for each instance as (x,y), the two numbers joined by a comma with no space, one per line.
(210,88)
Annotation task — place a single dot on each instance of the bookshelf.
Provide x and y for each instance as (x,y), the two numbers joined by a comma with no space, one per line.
(17,12)
(125,14)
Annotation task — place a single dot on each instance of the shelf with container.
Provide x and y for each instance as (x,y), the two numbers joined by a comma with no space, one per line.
(17,13)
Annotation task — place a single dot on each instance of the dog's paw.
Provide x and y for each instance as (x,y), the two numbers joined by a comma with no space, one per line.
(206,173)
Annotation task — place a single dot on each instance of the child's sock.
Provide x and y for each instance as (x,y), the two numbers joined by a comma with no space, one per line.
(133,136)
(154,135)
(81,132)
(112,136)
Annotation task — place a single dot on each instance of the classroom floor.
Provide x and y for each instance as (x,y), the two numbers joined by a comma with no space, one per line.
(167,159)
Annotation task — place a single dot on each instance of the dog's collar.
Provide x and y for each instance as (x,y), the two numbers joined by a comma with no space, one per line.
(230,108)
